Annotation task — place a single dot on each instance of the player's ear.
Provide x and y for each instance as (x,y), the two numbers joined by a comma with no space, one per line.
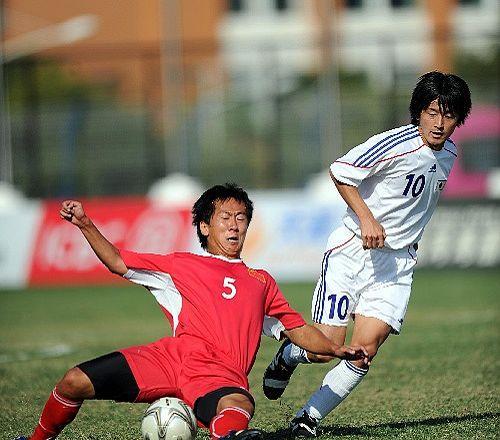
(204,228)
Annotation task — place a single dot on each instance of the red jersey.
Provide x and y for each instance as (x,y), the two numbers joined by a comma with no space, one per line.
(219,301)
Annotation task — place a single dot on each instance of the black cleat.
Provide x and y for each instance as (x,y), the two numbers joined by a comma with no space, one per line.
(21,437)
(304,425)
(245,434)
(277,374)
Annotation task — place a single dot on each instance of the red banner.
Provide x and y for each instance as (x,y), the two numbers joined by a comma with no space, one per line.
(62,256)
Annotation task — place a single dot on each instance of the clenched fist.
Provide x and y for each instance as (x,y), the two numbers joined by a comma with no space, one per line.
(72,211)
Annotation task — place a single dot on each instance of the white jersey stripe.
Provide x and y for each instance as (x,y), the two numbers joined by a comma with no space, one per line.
(392,142)
(371,161)
(388,138)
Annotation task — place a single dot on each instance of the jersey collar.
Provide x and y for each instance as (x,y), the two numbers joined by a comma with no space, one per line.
(221,257)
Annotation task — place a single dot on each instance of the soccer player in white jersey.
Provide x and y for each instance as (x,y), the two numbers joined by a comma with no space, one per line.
(391,184)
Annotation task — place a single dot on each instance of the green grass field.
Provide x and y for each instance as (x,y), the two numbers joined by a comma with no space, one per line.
(438,380)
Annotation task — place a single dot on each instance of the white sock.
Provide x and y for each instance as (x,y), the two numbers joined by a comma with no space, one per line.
(337,385)
(294,355)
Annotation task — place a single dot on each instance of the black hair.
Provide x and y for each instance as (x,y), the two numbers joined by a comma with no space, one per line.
(204,207)
(451,91)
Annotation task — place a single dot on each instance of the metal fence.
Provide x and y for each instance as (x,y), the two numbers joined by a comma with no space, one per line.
(72,134)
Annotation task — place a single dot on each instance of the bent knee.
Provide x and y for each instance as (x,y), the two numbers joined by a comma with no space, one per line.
(75,385)
(238,401)
(372,350)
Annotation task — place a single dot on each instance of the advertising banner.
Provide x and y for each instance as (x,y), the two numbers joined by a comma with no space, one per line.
(287,237)
(463,234)
(288,234)
(62,256)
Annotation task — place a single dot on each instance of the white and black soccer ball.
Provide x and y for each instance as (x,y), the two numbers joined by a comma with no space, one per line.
(169,419)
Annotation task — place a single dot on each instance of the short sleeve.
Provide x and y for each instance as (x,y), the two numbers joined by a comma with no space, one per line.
(152,262)
(148,270)
(349,169)
(372,156)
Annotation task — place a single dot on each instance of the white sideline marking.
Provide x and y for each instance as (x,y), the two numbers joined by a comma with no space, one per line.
(50,351)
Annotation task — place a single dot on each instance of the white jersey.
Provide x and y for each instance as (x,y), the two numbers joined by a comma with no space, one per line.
(399,178)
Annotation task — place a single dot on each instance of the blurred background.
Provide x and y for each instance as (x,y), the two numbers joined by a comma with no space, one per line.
(137,106)
(166,97)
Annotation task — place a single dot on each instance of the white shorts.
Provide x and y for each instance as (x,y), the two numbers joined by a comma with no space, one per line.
(374,283)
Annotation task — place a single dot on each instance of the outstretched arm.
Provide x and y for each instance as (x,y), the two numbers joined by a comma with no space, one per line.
(372,232)
(311,339)
(73,212)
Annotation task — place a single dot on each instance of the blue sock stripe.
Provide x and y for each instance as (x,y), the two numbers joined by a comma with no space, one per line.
(371,160)
(354,369)
(388,138)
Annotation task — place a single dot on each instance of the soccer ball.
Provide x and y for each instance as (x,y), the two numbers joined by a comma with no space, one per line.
(168,419)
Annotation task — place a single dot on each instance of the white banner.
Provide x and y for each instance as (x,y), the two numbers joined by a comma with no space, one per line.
(290,230)
(463,234)
(18,228)
(288,234)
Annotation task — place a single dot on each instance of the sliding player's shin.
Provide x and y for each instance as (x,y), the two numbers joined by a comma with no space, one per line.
(57,413)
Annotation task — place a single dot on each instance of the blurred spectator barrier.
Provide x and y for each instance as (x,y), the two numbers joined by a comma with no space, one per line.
(287,237)
(264,114)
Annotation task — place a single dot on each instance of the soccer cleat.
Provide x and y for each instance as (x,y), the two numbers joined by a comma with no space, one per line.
(21,437)
(304,425)
(277,374)
(245,434)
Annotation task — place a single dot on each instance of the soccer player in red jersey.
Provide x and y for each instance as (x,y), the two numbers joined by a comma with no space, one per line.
(216,306)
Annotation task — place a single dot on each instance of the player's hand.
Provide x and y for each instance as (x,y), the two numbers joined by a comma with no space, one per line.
(372,234)
(353,353)
(72,211)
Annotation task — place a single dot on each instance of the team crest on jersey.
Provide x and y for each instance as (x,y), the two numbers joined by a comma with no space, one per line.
(440,185)
(432,169)
(258,275)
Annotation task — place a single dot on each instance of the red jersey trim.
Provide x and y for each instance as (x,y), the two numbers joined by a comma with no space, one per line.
(340,245)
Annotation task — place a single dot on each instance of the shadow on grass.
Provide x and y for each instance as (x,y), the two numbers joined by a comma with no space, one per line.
(367,430)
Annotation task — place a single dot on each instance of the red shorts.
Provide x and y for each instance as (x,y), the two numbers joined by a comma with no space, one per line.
(183,367)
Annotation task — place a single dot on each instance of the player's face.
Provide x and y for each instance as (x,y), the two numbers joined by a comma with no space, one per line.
(227,229)
(435,126)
